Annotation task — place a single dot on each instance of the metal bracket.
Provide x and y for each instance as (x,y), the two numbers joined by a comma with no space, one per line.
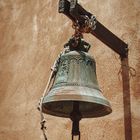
(87,23)
(77,44)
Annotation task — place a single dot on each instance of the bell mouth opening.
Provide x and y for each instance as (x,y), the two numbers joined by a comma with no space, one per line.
(60,101)
(65,107)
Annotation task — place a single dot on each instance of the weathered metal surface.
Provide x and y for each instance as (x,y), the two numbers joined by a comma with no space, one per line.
(76,81)
(126,98)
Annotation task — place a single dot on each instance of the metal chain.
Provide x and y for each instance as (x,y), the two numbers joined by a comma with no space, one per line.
(88,25)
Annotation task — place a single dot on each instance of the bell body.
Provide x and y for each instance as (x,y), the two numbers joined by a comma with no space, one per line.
(76,81)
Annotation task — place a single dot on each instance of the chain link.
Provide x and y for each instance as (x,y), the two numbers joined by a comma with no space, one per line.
(87,25)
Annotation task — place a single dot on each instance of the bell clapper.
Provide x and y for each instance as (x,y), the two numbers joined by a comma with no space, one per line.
(75,117)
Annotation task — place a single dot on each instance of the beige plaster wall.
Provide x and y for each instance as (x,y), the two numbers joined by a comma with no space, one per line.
(32,34)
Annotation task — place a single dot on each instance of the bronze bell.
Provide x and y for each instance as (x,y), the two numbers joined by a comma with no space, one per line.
(75,92)
(76,83)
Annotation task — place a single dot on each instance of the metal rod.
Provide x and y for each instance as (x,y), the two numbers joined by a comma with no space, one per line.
(126,99)
(110,39)
(75,117)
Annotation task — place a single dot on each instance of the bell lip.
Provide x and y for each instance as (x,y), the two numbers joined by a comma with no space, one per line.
(90,99)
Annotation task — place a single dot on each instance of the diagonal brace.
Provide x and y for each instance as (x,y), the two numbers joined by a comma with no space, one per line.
(75,12)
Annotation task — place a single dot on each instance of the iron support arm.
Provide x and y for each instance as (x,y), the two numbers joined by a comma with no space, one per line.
(76,13)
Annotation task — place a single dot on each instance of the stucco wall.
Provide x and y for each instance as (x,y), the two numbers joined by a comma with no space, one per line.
(32,34)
